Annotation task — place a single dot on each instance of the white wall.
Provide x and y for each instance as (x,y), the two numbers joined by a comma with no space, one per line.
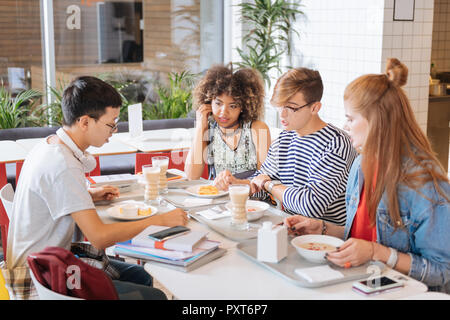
(410,41)
(344,39)
(440,53)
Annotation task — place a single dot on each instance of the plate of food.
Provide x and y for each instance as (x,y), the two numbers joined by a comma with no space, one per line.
(131,210)
(205,191)
(313,247)
(255,209)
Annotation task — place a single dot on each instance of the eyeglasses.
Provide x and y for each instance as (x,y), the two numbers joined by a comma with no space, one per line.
(292,110)
(112,127)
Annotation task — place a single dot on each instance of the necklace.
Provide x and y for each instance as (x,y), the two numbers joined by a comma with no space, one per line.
(235,132)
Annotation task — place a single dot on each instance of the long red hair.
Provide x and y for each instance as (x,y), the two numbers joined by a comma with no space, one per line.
(395,143)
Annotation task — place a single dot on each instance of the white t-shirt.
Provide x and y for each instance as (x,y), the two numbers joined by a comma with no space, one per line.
(52,185)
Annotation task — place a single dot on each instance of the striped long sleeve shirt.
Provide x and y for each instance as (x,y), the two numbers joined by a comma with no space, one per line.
(315,169)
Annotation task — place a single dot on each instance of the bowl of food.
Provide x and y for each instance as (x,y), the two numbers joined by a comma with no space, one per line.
(313,247)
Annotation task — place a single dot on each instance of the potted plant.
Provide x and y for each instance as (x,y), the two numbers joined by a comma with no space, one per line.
(175,99)
(270,25)
(15,111)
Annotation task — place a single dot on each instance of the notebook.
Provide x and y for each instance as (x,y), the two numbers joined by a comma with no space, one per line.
(185,242)
(205,254)
(213,255)
(112,179)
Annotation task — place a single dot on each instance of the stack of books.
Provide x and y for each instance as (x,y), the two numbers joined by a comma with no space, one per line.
(185,252)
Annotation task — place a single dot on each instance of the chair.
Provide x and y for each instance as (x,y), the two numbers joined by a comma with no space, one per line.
(4,295)
(205,174)
(6,197)
(45,293)
(96,171)
(3,176)
(176,159)
(19,165)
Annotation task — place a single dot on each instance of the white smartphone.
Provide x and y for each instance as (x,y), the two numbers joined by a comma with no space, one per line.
(376,285)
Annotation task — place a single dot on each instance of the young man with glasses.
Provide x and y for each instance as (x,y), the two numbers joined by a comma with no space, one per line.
(52,196)
(307,166)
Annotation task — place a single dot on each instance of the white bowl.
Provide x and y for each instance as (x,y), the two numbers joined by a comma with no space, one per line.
(257,209)
(316,256)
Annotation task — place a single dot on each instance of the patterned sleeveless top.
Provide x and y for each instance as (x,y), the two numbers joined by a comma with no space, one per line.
(221,157)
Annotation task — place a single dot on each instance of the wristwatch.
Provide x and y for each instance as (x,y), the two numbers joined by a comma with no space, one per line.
(393,257)
(272,184)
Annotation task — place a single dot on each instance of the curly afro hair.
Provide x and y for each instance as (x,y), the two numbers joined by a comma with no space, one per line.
(245,86)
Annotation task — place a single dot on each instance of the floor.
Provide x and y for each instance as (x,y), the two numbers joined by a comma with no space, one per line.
(156,284)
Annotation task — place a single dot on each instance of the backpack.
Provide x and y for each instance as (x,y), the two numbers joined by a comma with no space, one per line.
(61,271)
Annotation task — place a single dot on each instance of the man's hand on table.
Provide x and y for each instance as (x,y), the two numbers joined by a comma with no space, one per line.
(104,193)
(176,217)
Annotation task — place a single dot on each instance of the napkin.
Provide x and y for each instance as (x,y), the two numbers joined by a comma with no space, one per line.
(319,274)
(213,214)
(192,202)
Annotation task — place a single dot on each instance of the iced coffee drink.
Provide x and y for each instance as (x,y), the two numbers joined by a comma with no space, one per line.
(163,164)
(239,195)
(151,176)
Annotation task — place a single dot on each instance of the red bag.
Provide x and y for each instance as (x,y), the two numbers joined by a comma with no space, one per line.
(59,270)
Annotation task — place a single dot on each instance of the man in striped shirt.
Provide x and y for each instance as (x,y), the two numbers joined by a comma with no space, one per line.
(307,166)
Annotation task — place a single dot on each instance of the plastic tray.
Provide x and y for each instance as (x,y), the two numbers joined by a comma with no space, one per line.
(223,226)
(286,267)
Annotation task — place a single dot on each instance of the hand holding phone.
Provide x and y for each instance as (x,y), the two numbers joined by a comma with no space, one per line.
(376,285)
(169,233)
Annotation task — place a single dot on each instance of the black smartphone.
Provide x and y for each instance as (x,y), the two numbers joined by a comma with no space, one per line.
(376,285)
(168,233)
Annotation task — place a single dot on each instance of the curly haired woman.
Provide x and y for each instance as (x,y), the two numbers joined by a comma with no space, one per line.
(229,137)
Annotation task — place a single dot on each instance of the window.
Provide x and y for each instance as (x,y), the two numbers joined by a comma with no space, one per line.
(124,39)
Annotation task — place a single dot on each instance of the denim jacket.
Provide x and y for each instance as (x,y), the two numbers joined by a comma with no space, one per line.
(426,233)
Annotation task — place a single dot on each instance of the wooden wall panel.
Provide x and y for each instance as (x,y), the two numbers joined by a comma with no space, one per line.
(163,49)
(20,35)
(169,43)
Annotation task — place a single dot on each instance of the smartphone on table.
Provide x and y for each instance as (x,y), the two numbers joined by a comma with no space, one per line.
(376,285)
(169,233)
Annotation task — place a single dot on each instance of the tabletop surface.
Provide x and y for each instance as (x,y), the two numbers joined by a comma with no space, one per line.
(111,147)
(120,143)
(11,151)
(235,276)
(167,139)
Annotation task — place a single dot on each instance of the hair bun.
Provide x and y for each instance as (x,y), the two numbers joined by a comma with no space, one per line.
(396,72)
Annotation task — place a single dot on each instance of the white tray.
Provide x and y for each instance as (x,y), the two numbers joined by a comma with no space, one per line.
(286,267)
(223,226)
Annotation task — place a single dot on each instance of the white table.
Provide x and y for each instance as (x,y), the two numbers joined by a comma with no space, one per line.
(235,277)
(429,295)
(11,151)
(29,144)
(158,140)
(112,147)
(167,139)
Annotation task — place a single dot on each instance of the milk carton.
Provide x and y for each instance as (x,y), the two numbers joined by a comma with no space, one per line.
(272,243)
